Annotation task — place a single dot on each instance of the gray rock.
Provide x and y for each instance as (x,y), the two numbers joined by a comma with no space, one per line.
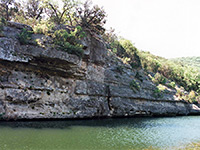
(11,32)
(42,82)
(194,109)
(19,25)
(96,89)
(81,88)
(95,48)
(9,50)
(132,107)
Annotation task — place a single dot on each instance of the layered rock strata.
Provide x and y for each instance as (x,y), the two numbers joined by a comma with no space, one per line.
(44,83)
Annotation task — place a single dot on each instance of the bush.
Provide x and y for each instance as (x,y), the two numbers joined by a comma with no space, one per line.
(131,52)
(161,87)
(172,84)
(159,79)
(192,97)
(25,36)
(157,93)
(180,92)
(134,85)
(69,42)
(128,46)
(123,48)
(44,27)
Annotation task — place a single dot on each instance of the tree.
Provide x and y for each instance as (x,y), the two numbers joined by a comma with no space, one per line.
(7,9)
(128,46)
(33,9)
(91,18)
(29,12)
(131,52)
(61,16)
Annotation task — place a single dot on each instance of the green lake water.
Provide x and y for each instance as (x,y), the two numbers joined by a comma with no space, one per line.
(105,134)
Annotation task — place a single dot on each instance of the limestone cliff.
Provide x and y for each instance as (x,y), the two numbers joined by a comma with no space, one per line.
(40,83)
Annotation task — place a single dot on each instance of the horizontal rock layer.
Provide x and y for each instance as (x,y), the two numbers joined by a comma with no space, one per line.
(44,83)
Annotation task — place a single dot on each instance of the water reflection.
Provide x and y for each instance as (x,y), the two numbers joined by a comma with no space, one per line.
(62,124)
(109,134)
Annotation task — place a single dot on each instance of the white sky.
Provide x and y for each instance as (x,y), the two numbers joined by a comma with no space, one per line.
(167,28)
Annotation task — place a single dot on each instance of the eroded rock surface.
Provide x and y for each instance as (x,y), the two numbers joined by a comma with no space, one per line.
(41,83)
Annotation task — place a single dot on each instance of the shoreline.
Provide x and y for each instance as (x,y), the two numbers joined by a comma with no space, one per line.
(96,118)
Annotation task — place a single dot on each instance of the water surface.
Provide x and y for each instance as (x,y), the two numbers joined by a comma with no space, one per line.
(106,134)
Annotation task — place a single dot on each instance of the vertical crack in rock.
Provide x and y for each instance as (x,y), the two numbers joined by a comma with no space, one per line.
(46,83)
(108,97)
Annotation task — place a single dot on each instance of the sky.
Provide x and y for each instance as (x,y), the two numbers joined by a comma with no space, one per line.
(167,28)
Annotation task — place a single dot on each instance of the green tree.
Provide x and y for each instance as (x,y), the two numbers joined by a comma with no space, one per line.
(29,12)
(7,9)
(187,77)
(63,15)
(131,52)
(128,46)
(69,41)
(34,9)
(91,18)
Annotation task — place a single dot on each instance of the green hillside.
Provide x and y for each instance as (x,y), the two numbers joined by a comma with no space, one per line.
(163,72)
(172,74)
(190,61)
(182,74)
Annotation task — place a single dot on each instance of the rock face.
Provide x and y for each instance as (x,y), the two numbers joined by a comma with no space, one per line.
(44,83)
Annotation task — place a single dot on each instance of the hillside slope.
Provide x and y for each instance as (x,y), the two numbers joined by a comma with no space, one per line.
(184,75)
(190,61)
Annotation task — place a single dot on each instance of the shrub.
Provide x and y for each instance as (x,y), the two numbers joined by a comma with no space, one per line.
(159,79)
(192,96)
(179,92)
(123,48)
(157,93)
(25,36)
(7,9)
(131,52)
(161,87)
(172,84)
(69,42)
(128,46)
(126,60)
(134,85)
(44,27)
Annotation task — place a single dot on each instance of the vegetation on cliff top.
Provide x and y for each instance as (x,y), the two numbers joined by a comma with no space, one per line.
(68,24)
(65,22)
